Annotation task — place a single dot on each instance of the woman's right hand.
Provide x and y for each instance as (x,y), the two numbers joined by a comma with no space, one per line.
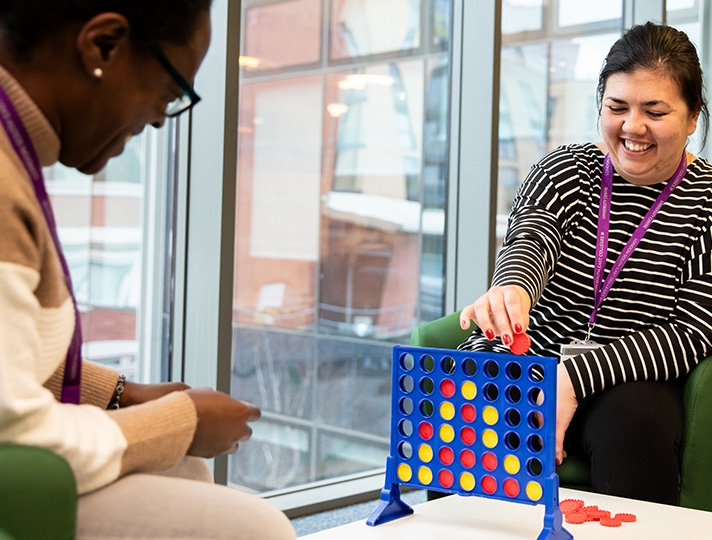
(222,422)
(501,311)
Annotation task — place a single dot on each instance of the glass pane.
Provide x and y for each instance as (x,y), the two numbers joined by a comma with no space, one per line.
(282,34)
(100,223)
(522,16)
(575,12)
(365,27)
(340,244)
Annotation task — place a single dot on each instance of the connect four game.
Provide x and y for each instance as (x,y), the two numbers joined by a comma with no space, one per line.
(473,424)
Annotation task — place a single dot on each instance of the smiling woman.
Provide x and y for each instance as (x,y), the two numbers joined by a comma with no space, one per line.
(607,248)
(76,82)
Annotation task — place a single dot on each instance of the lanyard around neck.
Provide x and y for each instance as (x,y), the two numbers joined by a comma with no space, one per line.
(22,144)
(604,219)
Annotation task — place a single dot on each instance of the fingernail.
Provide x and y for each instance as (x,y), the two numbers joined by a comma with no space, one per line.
(506,339)
(462,324)
(518,328)
(558,462)
(489,334)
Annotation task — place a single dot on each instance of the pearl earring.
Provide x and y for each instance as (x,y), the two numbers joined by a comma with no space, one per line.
(98,73)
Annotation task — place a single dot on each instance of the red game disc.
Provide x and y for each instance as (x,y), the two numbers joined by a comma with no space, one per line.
(569,505)
(576,518)
(626,518)
(597,515)
(611,522)
(520,344)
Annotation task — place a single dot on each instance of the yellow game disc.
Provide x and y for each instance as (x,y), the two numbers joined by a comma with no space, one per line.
(511,464)
(425,453)
(447,410)
(534,491)
(469,390)
(489,438)
(490,415)
(425,475)
(467,481)
(404,472)
(447,434)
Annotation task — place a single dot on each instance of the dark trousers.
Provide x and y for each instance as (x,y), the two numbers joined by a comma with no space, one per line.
(631,435)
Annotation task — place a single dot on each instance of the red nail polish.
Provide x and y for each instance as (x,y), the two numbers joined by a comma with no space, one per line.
(518,328)
(506,339)
(489,334)
(558,462)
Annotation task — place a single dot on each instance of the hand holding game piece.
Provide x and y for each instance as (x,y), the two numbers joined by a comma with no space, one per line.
(520,344)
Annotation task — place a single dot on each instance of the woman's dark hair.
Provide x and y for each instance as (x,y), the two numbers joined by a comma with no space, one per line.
(659,48)
(24,23)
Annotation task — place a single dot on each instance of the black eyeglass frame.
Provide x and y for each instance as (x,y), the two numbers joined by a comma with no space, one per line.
(187,88)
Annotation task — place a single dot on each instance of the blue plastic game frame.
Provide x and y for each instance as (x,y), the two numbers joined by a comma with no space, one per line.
(473,424)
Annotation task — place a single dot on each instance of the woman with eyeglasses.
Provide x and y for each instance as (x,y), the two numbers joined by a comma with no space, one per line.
(77,80)
(607,260)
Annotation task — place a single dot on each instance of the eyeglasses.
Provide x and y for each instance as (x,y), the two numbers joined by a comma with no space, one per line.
(189,97)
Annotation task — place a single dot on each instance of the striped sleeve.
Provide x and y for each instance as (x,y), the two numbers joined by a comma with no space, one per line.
(663,352)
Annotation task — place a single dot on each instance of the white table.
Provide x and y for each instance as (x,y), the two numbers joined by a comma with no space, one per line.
(465,518)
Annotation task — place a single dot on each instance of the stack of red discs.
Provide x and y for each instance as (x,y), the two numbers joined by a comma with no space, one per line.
(576,512)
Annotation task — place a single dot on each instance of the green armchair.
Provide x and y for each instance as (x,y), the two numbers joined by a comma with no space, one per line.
(696,465)
(38,494)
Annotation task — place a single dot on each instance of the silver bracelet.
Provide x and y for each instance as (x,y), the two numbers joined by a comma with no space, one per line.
(116,402)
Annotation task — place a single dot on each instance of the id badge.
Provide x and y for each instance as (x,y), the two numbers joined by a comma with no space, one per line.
(577,347)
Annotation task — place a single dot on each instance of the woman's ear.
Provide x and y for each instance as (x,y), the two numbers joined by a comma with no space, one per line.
(101,40)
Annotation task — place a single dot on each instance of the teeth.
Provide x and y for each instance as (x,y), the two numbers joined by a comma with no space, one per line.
(636,147)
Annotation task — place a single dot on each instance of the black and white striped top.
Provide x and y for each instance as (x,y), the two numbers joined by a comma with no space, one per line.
(656,323)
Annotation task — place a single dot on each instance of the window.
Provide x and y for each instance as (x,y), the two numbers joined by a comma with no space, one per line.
(342,165)
(115,228)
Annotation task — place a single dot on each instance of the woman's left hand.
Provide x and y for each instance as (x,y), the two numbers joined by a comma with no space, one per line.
(566,405)
(135,393)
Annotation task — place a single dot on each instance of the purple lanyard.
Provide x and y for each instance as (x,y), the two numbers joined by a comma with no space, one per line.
(24,148)
(604,218)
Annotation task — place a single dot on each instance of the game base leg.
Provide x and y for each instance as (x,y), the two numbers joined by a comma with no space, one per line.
(553,529)
(391,507)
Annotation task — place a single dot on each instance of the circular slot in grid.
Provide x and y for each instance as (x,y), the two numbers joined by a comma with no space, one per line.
(511,440)
(535,420)
(447,433)
(405,428)
(447,411)
(425,453)
(427,364)
(467,481)
(447,365)
(513,371)
(407,361)
(490,415)
(534,467)
(425,475)
(536,373)
(426,408)
(491,369)
(406,384)
(535,443)
(405,473)
(511,464)
(536,396)
(405,405)
(427,386)
(490,438)
(490,392)
(405,450)
(534,491)
(468,390)
(469,367)
(512,417)
(489,461)
(513,394)
(488,484)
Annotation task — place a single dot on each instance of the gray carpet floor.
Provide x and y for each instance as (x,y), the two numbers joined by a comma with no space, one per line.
(348,514)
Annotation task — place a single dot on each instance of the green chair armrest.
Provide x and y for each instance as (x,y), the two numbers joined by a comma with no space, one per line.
(38,494)
(696,466)
(443,333)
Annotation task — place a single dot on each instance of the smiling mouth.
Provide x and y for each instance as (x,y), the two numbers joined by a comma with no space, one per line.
(633,147)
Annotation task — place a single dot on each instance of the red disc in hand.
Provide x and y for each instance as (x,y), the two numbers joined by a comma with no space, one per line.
(521,344)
